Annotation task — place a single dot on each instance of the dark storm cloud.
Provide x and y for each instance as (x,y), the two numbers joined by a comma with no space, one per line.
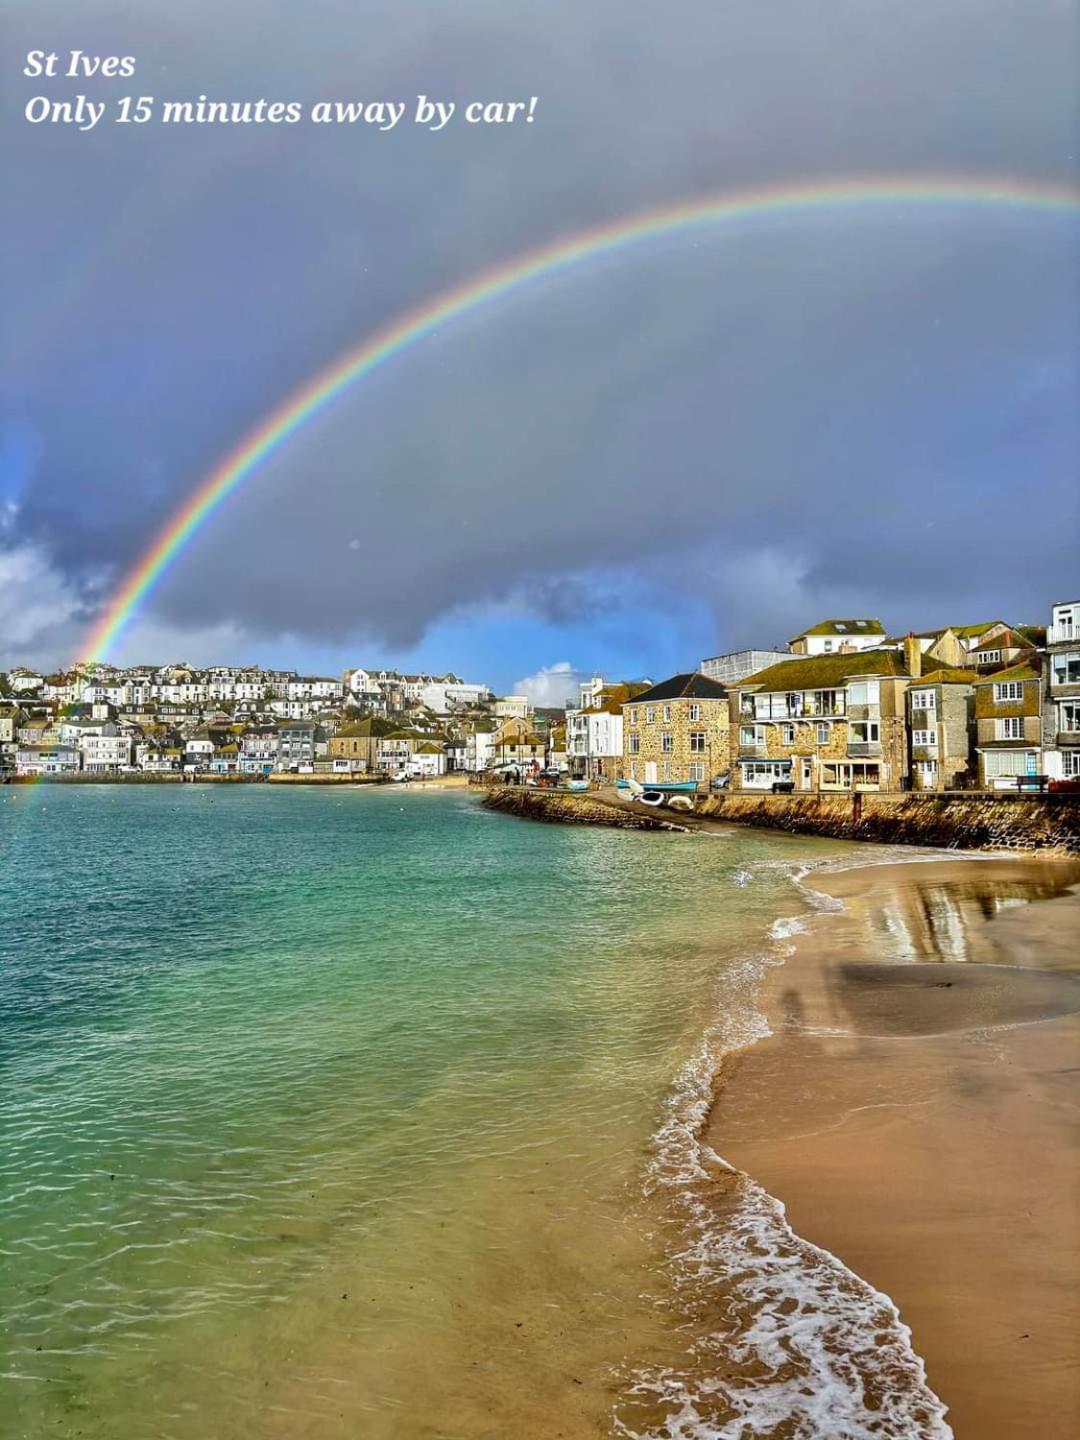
(839,408)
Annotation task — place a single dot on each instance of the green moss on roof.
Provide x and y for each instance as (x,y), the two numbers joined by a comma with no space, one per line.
(843,627)
(815,672)
(947,675)
(1014,672)
(967,631)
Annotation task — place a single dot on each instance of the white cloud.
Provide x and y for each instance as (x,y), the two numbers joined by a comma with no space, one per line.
(41,614)
(551,685)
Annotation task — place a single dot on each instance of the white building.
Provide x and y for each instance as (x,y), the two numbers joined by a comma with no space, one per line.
(105,754)
(479,751)
(830,637)
(512,707)
(47,760)
(426,762)
(1061,695)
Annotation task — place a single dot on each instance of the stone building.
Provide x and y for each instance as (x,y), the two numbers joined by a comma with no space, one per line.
(824,723)
(941,728)
(677,730)
(1008,726)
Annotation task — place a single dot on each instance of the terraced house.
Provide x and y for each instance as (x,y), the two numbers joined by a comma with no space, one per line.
(1061,702)
(941,728)
(678,730)
(823,722)
(1008,721)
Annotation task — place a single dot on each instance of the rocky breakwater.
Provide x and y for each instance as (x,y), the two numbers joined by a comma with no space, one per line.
(562,807)
(968,822)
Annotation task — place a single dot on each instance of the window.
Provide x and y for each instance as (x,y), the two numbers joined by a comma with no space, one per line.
(823,733)
(924,737)
(841,776)
(924,699)
(1012,729)
(666,771)
(787,734)
(1008,690)
(1070,765)
(865,732)
(1069,716)
(760,774)
(751,735)
(695,712)
(1067,668)
(998,763)
(650,714)
(697,742)
(697,770)
(633,771)
(828,645)
(634,743)
(988,657)
(667,742)
(667,713)
(864,692)
(631,716)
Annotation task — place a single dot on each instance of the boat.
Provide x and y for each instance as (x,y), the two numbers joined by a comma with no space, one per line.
(665,787)
(650,797)
(680,802)
(577,784)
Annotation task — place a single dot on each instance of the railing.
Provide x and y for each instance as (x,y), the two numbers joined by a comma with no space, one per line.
(1062,634)
(753,752)
(862,750)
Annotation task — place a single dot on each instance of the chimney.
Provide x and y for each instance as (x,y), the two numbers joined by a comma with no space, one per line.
(912,656)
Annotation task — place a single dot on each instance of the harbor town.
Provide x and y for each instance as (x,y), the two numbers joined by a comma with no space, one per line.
(847,706)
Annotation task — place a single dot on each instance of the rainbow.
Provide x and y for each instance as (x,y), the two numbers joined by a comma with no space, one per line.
(563,254)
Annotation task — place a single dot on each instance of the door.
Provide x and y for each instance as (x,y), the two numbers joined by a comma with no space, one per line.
(650,772)
(807,774)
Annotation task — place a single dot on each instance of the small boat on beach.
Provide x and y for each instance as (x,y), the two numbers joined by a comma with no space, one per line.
(665,787)
(577,784)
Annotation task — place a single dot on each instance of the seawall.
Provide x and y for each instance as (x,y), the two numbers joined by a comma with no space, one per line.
(560,807)
(975,822)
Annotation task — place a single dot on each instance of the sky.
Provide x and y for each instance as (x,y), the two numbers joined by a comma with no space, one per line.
(700,443)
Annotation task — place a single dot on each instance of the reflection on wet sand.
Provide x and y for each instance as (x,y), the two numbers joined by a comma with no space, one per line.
(914,1110)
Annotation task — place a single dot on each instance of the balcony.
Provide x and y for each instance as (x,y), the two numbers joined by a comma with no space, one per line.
(864,750)
(753,752)
(1068,737)
(1063,635)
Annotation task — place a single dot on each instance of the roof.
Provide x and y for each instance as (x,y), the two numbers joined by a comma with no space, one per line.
(946,675)
(616,696)
(810,672)
(967,631)
(1013,639)
(691,685)
(843,627)
(1014,672)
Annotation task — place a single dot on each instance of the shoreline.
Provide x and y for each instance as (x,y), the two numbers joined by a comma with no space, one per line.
(911,1113)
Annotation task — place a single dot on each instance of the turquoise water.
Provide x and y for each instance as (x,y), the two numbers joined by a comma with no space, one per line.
(329,1112)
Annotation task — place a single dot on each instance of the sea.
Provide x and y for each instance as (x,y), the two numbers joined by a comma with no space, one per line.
(372,1113)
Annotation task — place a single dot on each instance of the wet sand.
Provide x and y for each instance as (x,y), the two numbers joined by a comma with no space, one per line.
(917,1111)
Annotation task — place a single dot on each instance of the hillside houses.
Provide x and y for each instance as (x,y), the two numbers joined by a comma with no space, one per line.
(847,707)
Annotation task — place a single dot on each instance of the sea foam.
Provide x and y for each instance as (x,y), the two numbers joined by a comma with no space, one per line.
(783,1338)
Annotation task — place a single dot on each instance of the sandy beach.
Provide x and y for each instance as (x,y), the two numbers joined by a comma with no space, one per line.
(916,1110)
